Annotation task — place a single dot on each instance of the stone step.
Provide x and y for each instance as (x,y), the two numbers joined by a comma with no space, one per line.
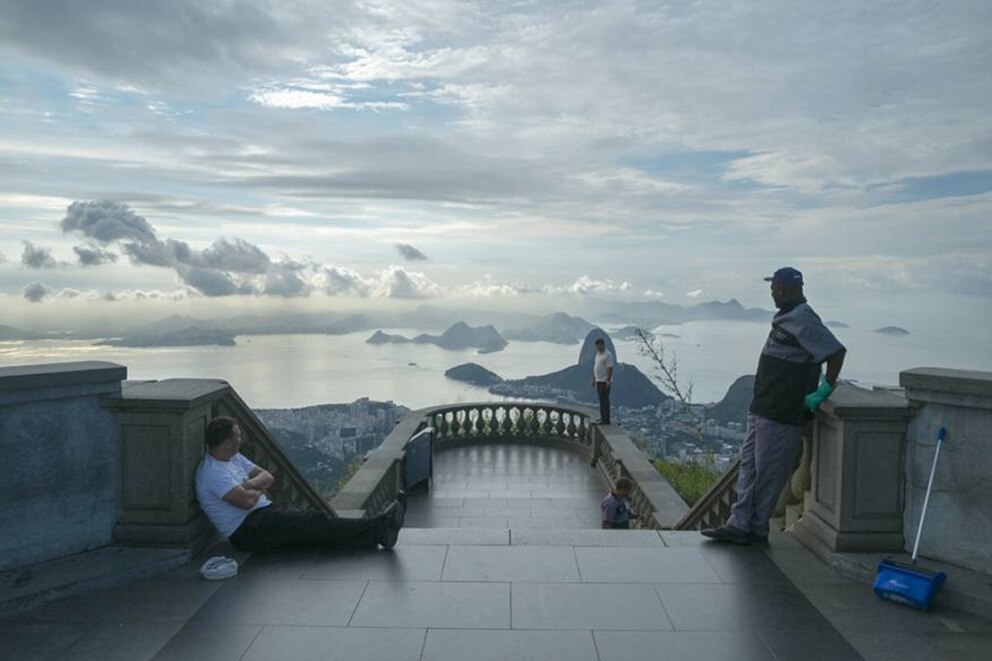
(31,586)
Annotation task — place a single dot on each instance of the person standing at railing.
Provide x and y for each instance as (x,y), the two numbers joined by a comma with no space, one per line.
(233,493)
(602,379)
(788,389)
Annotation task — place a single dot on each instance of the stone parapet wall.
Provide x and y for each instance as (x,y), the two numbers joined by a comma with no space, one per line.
(60,452)
(959,521)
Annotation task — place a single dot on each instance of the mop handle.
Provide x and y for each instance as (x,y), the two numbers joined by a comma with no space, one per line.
(941,433)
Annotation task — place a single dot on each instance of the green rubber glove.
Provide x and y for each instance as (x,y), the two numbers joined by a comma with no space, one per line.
(817,397)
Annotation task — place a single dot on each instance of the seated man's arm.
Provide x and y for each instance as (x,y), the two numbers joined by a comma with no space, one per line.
(242,497)
(259,479)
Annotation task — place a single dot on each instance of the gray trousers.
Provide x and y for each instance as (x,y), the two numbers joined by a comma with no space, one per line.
(769,455)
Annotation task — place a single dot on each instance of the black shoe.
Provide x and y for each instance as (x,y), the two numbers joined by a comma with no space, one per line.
(399,509)
(727,533)
(388,535)
(761,540)
(598,422)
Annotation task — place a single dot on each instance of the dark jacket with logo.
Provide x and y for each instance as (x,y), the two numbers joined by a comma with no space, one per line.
(790,364)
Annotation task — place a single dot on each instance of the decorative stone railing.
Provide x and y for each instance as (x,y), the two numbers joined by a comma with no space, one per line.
(568,427)
(713,508)
(469,423)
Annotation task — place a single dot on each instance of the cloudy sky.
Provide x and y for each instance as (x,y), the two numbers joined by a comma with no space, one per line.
(380,150)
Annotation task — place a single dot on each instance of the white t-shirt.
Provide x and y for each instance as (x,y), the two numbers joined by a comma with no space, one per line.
(214,478)
(604,360)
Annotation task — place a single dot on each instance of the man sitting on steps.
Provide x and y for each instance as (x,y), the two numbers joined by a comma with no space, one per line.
(233,493)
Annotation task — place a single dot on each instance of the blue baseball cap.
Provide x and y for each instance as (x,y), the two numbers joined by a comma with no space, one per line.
(786,276)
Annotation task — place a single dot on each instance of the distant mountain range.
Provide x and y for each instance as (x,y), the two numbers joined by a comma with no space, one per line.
(189,337)
(354,323)
(458,337)
(9,334)
(649,314)
(558,327)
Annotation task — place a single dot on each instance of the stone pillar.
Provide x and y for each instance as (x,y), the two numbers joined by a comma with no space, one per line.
(162,426)
(60,453)
(856,491)
(959,520)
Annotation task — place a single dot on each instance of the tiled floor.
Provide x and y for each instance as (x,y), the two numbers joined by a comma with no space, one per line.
(504,594)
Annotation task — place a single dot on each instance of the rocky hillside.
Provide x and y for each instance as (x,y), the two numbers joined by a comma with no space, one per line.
(459,337)
(734,405)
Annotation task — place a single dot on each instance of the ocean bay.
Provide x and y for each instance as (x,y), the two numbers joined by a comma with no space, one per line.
(285,371)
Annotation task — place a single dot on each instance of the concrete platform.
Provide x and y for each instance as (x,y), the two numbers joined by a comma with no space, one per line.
(511,593)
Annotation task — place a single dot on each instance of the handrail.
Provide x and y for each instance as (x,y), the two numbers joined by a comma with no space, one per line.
(713,508)
(656,504)
(290,487)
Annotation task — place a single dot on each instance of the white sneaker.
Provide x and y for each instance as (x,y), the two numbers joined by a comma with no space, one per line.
(218,568)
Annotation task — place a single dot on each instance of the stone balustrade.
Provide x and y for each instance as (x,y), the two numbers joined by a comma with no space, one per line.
(565,427)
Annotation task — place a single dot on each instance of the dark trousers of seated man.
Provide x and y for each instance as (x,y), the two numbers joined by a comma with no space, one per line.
(273,527)
(603,390)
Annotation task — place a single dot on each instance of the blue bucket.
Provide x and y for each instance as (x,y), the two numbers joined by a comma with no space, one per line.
(907,584)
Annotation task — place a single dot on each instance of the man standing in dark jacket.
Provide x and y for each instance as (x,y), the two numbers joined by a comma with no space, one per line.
(788,389)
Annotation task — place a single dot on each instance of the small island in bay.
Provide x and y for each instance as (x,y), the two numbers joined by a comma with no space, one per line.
(379,337)
(892,330)
(836,324)
(473,373)
(626,333)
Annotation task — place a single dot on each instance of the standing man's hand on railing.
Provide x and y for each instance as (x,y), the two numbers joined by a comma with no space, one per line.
(827,384)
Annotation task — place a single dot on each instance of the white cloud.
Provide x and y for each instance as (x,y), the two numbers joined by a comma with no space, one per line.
(296,99)
(488,287)
(585,284)
(695,293)
(397,282)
